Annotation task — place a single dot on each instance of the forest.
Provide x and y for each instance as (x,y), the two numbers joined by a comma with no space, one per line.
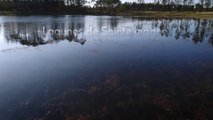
(102,6)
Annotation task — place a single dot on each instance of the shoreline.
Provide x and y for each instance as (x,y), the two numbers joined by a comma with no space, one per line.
(143,14)
(172,14)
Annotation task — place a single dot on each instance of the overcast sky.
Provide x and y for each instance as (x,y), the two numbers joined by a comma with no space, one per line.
(123,1)
(136,0)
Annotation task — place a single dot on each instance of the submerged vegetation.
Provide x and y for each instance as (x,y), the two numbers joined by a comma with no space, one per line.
(125,97)
(109,78)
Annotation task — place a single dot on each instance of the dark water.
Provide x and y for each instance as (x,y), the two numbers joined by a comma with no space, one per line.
(103,67)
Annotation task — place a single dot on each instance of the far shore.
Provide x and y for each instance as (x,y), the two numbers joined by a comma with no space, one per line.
(161,14)
(145,14)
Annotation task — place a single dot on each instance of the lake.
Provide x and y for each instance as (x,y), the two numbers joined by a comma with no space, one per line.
(105,67)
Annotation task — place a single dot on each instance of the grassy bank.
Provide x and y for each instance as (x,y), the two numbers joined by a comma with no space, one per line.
(149,14)
(161,14)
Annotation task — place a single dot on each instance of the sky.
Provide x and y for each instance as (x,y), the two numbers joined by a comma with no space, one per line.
(128,0)
(135,1)
(144,0)
(123,1)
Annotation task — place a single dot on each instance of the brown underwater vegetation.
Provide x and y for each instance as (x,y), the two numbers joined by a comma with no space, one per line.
(119,98)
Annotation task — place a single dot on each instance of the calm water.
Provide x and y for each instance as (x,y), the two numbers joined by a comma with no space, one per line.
(104,67)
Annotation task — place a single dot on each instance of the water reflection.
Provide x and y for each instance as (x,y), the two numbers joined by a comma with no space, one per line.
(112,68)
(34,34)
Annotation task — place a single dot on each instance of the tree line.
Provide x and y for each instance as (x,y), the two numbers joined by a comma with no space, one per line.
(42,6)
(78,6)
(157,5)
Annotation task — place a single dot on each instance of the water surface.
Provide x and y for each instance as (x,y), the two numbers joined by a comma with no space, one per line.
(105,67)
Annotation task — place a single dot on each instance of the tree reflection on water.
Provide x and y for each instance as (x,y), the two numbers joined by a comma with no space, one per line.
(177,90)
(32,34)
